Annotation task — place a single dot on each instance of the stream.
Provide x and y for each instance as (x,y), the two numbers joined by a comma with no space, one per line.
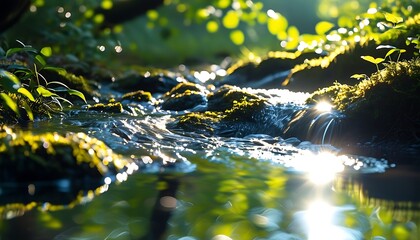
(187,185)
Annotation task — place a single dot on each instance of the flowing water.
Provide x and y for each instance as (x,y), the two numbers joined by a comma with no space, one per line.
(189,186)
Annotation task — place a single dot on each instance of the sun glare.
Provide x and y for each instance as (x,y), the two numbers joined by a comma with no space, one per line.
(324,106)
(319,219)
(321,168)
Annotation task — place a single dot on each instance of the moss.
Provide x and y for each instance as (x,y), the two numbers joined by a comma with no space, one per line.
(385,103)
(203,123)
(112,107)
(71,80)
(234,111)
(184,96)
(183,87)
(225,97)
(245,110)
(139,96)
(27,157)
(183,101)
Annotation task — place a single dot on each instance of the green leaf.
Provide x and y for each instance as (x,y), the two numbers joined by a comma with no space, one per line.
(393,18)
(58,83)
(322,27)
(12,51)
(28,110)
(26,93)
(45,92)
(46,51)
(391,52)
(64,100)
(394,50)
(55,69)
(9,81)
(372,59)
(40,60)
(77,93)
(10,103)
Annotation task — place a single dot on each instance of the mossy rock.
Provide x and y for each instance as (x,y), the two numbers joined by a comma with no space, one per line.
(183,87)
(386,104)
(73,81)
(205,123)
(138,96)
(234,112)
(183,101)
(224,97)
(184,96)
(26,157)
(153,83)
(112,107)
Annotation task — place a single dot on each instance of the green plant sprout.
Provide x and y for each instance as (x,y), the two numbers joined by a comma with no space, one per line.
(22,86)
(391,51)
(373,60)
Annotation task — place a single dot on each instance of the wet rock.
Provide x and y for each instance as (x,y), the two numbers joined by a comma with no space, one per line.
(183,87)
(320,127)
(385,105)
(233,112)
(206,123)
(184,96)
(26,157)
(137,96)
(158,83)
(184,101)
(112,107)
(224,97)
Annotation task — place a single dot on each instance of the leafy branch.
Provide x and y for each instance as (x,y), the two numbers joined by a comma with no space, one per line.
(23,89)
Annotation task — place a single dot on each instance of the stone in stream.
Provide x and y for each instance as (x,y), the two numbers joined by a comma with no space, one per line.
(232,112)
(27,157)
(184,96)
(111,107)
(149,82)
(138,96)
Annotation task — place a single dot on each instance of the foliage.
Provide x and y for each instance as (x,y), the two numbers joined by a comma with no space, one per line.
(25,92)
(76,27)
(376,25)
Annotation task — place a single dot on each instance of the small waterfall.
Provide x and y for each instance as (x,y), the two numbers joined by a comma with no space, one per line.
(315,125)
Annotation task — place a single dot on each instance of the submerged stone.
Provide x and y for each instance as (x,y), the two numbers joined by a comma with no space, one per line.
(26,157)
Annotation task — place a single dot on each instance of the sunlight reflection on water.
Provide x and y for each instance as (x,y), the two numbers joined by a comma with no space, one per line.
(324,221)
